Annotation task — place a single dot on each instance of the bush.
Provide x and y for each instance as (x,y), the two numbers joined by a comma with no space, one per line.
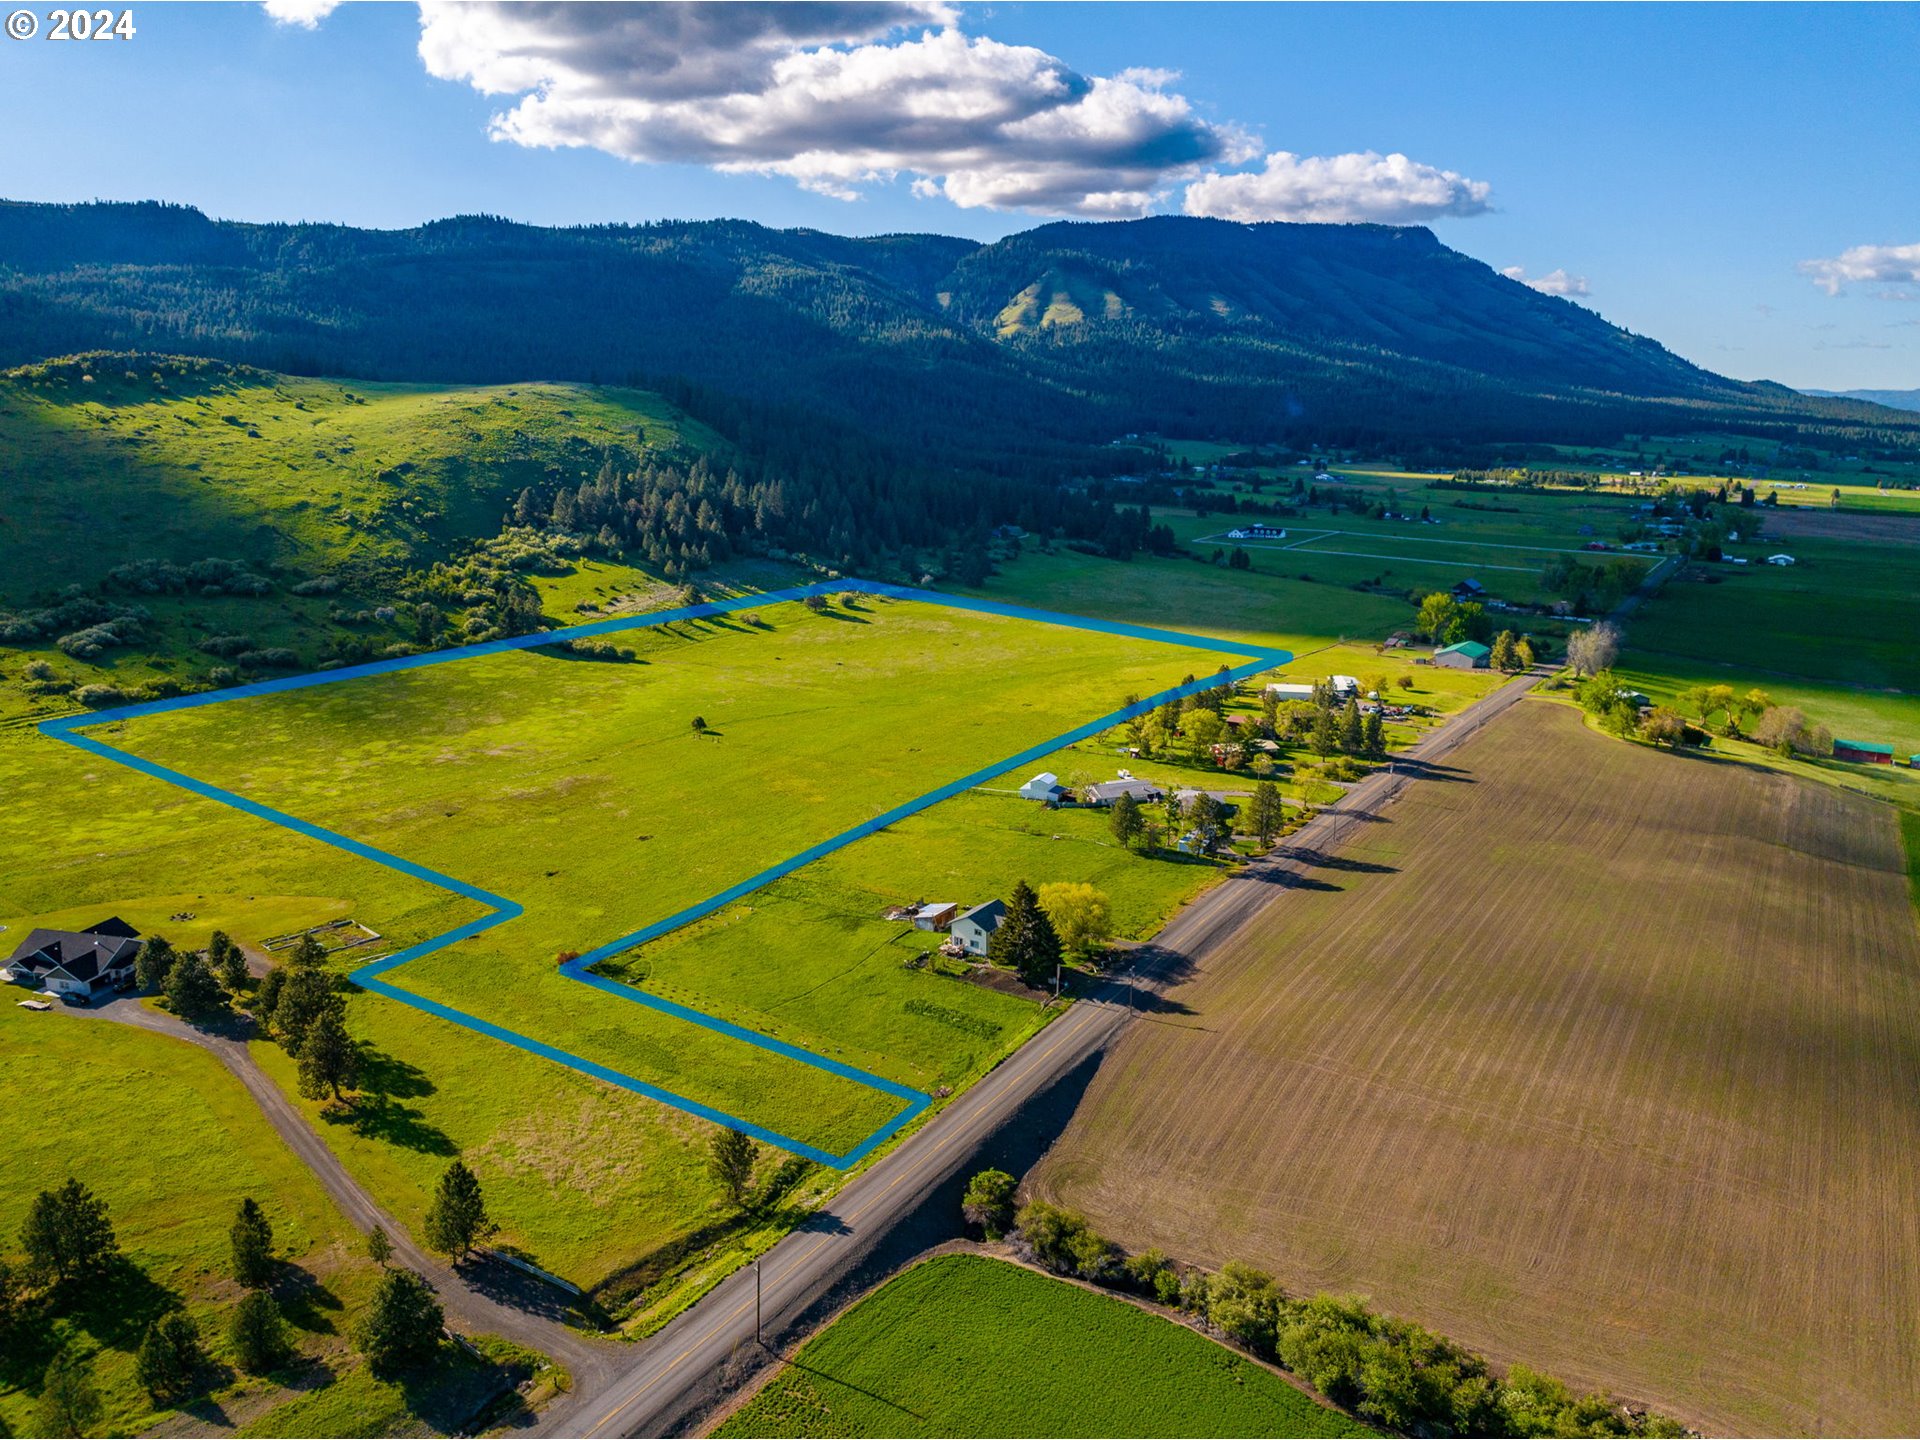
(102,697)
(170,1358)
(988,1202)
(227,646)
(277,658)
(1062,1241)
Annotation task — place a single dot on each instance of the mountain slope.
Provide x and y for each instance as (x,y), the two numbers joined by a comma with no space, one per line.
(1892,399)
(864,355)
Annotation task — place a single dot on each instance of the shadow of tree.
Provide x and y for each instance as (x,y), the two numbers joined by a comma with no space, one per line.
(379,1114)
(307,1304)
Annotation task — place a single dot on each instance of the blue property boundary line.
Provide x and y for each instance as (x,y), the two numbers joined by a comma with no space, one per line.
(501,909)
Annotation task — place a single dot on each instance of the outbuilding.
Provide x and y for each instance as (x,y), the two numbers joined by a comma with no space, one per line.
(1780,559)
(1467,655)
(974,929)
(936,915)
(1284,690)
(1108,791)
(1862,752)
(1045,787)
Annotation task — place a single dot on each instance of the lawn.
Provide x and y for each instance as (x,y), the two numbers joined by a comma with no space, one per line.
(172,1143)
(1593,1058)
(965,1345)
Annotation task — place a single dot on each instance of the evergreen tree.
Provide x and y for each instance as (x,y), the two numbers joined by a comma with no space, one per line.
(402,1325)
(252,1237)
(307,951)
(1025,939)
(170,1358)
(1353,739)
(67,1235)
(1267,813)
(329,1060)
(228,961)
(731,1163)
(1125,821)
(457,1219)
(153,964)
(69,1404)
(266,997)
(1325,737)
(192,992)
(1374,738)
(305,995)
(257,1333)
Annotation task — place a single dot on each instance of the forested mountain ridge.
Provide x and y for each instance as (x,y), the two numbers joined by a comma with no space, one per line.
(941,354)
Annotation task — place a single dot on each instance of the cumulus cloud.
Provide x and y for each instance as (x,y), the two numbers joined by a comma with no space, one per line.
(834,96)
(1554,282)
(307,14)
(1865,264)
(1366,186)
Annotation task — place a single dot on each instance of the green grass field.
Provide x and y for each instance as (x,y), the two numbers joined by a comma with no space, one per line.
(965,1345)
(818,720)
(172,1143)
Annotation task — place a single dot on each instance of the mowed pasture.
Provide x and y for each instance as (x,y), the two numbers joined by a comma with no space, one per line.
(581,789)
(967,1345)
(1594,1057)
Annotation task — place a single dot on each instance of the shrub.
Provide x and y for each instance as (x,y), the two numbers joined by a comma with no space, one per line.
(227,645)
(988,1202)
(277,658)
(101,697)
(257,1333)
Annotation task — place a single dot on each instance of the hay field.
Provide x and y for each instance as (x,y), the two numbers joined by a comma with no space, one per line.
(1601,1059)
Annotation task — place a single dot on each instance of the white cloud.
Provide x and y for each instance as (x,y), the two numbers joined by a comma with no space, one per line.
(1865,264)
(1554,282)
(1390,189)
(826,95)
(307,14)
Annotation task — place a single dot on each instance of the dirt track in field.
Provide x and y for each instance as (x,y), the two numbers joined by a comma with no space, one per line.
(1881,527)
(1599,1059)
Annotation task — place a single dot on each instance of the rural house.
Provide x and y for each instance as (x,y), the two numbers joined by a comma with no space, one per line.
(1109,791)
(1468,590)
(1862,752)
(81,963)
(1467,655)
(1045,787)
(975,927)
(1257,532)
(936,915)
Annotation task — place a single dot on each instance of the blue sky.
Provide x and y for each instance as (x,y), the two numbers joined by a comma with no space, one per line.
(1685,162)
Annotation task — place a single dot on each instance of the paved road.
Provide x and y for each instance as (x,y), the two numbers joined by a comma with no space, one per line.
(654,1387)
(517,1314)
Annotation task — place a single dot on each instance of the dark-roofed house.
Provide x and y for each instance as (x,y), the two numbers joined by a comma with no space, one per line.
(975,927)
(1108,791)
(82,963)
(1468,590)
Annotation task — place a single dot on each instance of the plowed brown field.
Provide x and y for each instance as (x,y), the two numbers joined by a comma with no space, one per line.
(1599,1059)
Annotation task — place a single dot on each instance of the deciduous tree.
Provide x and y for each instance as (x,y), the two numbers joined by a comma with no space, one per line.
(1593,649)
(988,1202)
(1082,916)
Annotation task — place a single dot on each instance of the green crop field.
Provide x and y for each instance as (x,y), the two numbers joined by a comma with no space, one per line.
(965,1345)
(172,1143)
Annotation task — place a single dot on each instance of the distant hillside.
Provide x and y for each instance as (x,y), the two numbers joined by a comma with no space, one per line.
(1893,399)
(116,458)
(842,357)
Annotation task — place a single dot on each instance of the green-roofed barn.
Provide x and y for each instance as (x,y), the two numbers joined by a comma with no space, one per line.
(1862,752)
(1467,655)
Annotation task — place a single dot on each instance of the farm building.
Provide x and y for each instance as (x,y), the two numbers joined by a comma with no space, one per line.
(1287,690)
(1045,786)
(936,915)
(82,963)
(1344,685)
(1108,791)
(1467,655)
(1780,559)
(1468,590)
(975,928)
(1862,752)
(1257,532)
